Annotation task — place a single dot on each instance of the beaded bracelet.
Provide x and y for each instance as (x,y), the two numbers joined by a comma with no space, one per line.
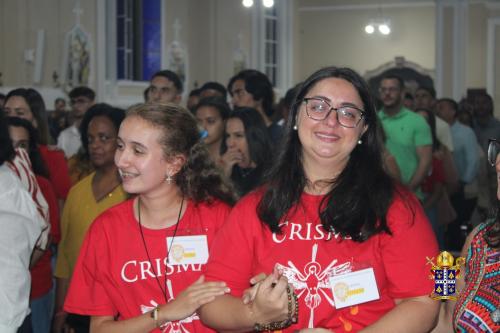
(292,315)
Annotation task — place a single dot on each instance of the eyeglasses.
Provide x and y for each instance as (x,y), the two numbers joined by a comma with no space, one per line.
(493,150)
(319,109)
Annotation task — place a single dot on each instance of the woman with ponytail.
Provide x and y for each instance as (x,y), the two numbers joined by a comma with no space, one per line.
(140,266)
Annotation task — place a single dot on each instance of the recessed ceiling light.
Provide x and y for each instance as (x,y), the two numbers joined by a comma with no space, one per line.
(268,3)
(247,3)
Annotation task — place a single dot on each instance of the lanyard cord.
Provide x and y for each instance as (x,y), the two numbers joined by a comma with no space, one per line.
(163,290)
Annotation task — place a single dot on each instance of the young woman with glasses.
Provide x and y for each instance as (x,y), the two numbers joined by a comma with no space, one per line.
(328,223)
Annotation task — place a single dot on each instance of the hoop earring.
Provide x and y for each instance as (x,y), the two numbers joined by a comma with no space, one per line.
(168,179)
(360,142)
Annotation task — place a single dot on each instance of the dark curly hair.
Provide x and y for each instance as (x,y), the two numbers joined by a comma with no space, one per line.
(101,109)
(360,197)
(199,179)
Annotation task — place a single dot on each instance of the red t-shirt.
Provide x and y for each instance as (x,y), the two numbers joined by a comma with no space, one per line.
(309,255)
(58,170)
(41,273)
(113,275)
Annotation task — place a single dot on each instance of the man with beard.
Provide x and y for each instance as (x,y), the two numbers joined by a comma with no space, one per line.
(409,137)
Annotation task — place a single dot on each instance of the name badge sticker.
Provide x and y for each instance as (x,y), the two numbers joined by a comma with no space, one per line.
(187,250)
(354,288)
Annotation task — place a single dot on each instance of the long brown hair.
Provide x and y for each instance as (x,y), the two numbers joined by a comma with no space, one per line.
(199,179)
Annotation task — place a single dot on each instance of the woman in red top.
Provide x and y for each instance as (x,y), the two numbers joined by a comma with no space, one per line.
(329,222)
(140,265)
(29,104)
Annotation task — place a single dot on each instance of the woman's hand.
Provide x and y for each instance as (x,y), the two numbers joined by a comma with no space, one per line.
(229,159)
(249,294)
(271,300)
(190,299)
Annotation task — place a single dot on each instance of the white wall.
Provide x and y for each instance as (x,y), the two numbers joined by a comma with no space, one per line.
(325,32)
(19,24)
(214,27)
(334,35)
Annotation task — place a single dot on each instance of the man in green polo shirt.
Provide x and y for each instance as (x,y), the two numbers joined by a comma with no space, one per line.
(409,137)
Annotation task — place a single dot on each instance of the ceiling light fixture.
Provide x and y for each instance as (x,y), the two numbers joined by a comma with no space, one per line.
(247,3)
(382,26)
(268,3)
(265,3)
(384,29)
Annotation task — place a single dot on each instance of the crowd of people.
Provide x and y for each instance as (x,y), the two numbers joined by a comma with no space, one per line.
(237,213)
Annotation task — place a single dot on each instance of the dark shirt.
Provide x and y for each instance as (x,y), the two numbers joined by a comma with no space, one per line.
(245,180)
(275,133)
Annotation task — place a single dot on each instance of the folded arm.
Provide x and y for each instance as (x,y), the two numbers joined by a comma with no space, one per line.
(270,305)
(411,315)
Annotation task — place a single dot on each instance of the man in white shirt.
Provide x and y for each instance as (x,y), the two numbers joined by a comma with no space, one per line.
(81,99)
